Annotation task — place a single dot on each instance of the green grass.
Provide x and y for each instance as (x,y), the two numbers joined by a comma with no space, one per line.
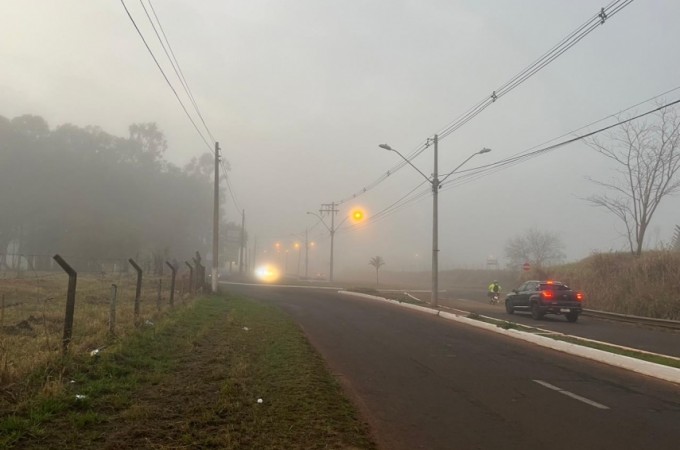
(657,359)
(192,380)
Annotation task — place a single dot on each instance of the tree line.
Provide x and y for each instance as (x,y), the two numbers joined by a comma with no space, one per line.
(84,193)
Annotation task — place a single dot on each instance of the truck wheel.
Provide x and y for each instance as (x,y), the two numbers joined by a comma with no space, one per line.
(508,307)
(572,317)
(536,312)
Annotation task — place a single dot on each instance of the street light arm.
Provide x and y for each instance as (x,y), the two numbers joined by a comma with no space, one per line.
(484,150)
(387,147)
(321,220)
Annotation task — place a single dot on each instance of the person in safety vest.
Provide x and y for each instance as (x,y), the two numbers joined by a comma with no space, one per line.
(494,289)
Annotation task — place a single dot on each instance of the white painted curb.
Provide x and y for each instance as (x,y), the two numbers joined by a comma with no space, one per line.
(659,371)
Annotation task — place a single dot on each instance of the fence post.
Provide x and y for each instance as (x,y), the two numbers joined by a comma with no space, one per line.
(70,301)
(138,291)
(172,283)
(191,278)
(200,274)
(158,299)
(112,311)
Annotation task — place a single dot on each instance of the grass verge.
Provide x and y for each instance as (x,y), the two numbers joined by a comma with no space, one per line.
(193,380)
(654,358)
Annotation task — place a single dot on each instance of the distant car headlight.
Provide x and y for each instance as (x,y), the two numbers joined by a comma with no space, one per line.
(267,273)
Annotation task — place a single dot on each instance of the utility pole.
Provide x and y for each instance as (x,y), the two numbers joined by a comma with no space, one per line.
(330,208)
(253,259)
(435,182)
(216,220)
(306,253)
(435,226)
(242,250)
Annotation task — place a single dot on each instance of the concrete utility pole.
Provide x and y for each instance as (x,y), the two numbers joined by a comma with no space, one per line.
(436,183)
(216,220)
(330,208)
(435,225)
(306,253)
(242,250)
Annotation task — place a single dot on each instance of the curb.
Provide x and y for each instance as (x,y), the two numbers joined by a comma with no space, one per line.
(661,372)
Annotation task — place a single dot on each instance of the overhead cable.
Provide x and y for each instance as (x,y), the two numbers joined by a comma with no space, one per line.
(175,65)
(166,78)
(561,47)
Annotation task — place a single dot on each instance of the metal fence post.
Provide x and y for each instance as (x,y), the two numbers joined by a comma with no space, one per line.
(172,283)
(138,291)
(158,299)
(191,278)
(70,301)
(112,311)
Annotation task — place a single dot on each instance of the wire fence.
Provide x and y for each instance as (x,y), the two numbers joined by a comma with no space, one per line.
(36,326)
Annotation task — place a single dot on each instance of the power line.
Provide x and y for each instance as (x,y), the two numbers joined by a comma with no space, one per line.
(480,171)
(165,77)
(175,65)
(476,173)
(561,47)
(185,85)
(229,188)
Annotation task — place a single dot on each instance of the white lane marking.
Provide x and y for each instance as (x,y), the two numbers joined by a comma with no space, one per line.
(571,394)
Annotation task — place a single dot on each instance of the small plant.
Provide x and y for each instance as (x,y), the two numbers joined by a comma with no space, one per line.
(508,325)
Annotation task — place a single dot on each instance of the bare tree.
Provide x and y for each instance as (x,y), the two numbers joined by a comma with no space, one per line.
(647,159)
(377,262)
(540,248)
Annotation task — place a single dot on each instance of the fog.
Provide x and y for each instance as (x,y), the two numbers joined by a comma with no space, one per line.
(300,94)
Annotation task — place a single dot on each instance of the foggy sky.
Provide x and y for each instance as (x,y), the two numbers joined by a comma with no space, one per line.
(300,94)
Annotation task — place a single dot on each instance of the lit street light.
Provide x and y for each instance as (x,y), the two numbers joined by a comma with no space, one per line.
(357,216)
(436,183)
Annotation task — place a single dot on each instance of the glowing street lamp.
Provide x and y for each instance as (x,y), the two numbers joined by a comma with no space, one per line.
(357,215)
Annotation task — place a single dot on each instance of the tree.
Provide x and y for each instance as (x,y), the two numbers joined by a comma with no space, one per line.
(647,160)
(540,248)
(377,262)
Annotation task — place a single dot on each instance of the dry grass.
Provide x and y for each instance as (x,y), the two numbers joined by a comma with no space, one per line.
(32,311)
(648,285)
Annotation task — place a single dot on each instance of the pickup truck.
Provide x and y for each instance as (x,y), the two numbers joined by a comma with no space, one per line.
(545,297)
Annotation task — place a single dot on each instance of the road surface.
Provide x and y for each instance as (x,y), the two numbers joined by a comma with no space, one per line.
(425,382)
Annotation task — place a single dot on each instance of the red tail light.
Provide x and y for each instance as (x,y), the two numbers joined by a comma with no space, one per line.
(579,296)
(547,294)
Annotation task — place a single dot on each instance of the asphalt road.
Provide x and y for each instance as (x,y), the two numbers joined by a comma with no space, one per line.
(425,382)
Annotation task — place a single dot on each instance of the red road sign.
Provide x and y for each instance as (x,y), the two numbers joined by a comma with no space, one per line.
(526,266)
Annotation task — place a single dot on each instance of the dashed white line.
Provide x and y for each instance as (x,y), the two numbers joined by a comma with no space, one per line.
(571,394)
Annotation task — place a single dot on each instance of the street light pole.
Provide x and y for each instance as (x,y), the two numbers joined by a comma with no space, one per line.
(436,183)
(435,226)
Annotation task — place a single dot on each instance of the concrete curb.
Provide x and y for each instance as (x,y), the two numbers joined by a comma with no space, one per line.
(661,372)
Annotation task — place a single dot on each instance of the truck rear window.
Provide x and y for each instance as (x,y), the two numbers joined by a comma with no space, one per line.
(553,287)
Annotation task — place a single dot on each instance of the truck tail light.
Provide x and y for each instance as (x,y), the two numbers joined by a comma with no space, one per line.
(547,294)
(579,296)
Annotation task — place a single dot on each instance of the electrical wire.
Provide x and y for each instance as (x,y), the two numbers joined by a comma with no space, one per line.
(473,174)
(166,77)
(483,170)
(170,54)
(176,66)
(557,50)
